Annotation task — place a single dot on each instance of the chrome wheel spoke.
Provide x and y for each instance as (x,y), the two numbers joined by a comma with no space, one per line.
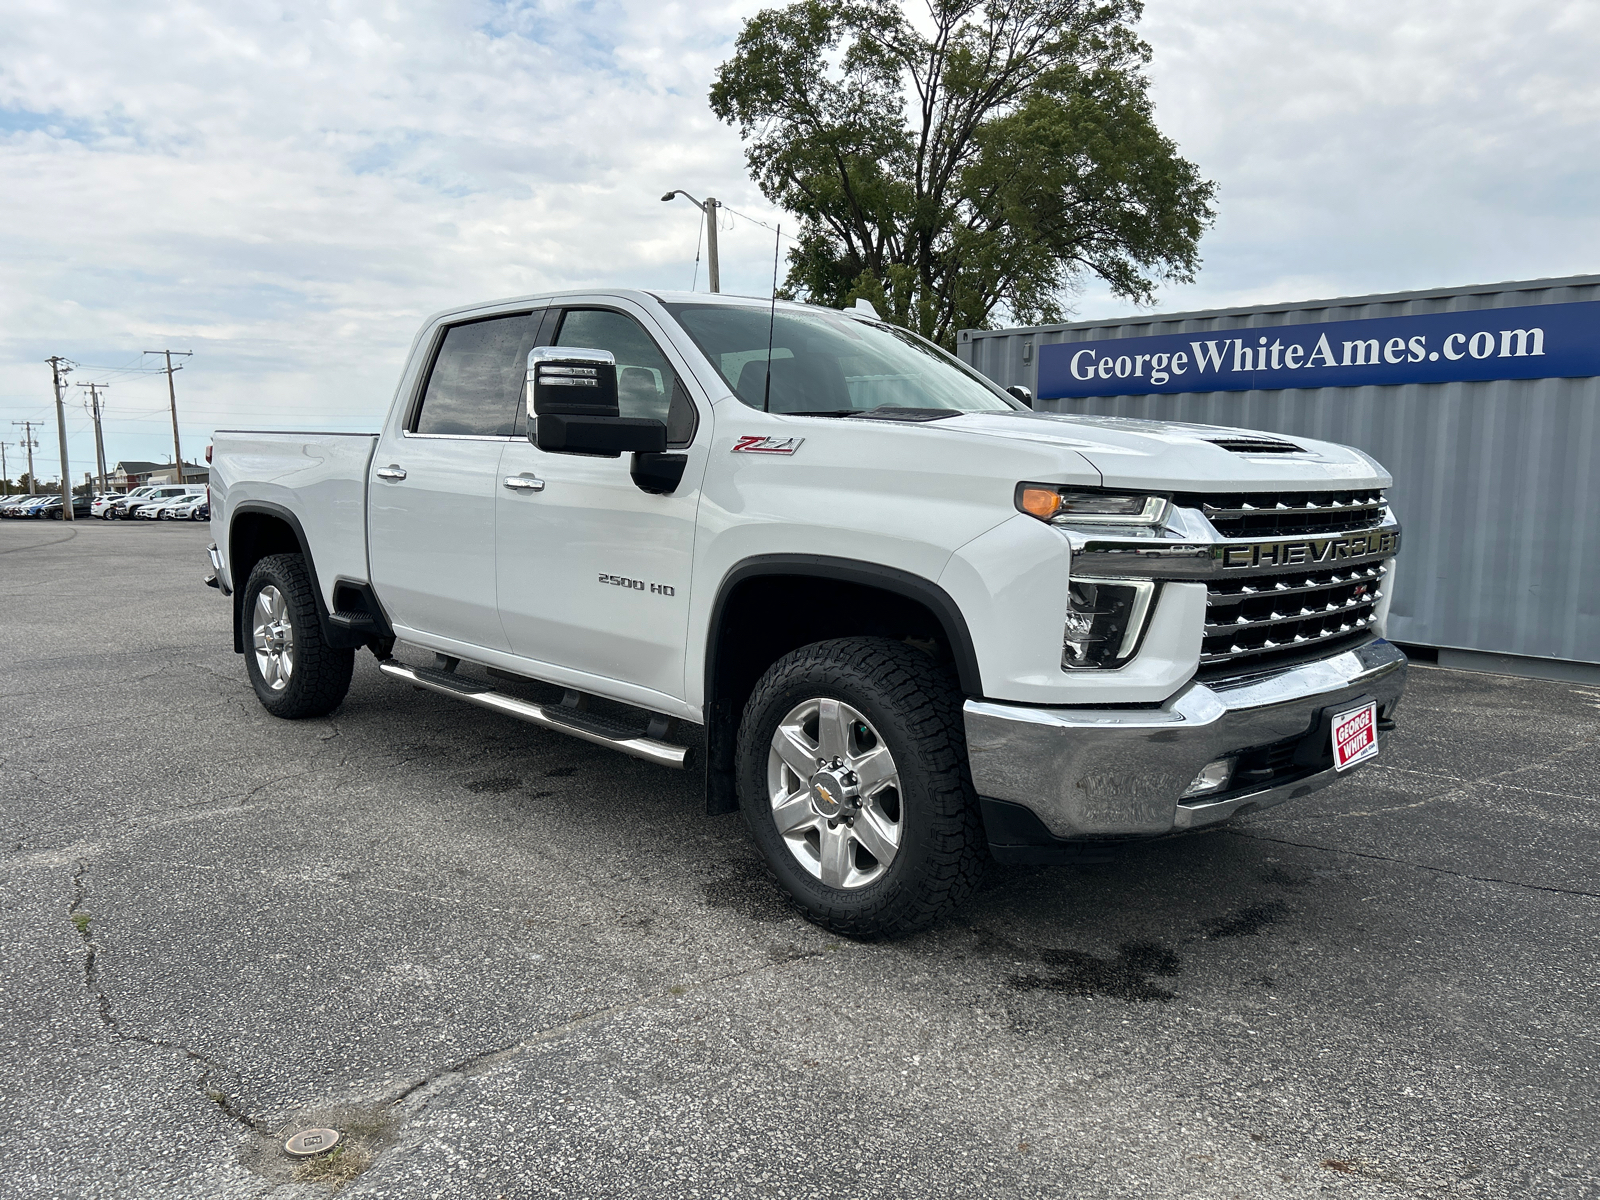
(877,833)
(833,729)
(790,743)
(874,769)
(836,857)
(794,814)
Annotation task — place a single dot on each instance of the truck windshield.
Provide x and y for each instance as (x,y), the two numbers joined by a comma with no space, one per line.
(828,364)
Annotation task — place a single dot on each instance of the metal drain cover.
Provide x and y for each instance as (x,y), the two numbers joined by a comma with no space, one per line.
(311,1141)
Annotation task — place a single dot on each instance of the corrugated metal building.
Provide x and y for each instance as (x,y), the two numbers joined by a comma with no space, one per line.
(1483,402)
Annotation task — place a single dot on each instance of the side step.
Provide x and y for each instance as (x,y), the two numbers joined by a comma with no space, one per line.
(585,726)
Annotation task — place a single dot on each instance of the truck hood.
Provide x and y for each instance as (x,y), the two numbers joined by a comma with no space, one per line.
(1178,456)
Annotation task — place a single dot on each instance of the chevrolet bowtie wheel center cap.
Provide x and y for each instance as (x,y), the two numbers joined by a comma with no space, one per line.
(833,793)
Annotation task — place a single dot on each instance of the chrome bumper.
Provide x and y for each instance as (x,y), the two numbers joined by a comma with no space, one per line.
(1095,773)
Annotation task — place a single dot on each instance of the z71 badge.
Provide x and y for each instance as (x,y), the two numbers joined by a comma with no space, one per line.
(754,443)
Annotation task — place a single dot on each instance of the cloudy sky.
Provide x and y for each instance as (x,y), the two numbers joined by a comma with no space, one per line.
(288,190)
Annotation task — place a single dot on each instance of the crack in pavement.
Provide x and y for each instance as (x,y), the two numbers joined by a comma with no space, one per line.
(80,919)
(435,1083)
(70,534)
(1406,862)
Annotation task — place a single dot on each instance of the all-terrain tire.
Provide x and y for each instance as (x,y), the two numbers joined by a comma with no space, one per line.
(914,704)
(320,674)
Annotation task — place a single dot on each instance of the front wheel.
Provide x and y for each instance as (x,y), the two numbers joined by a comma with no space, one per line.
(294,671)
(853,779)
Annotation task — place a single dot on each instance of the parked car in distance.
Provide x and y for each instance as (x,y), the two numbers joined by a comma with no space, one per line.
(34,506)
(186,508)
(164,509)
(119,507)
(13,506)
(52,508)
(158,495)
(104,501)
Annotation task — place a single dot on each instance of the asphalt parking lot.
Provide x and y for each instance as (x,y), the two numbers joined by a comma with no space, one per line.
(510,964)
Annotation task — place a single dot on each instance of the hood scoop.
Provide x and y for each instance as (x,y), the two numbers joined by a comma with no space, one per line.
(1244,444)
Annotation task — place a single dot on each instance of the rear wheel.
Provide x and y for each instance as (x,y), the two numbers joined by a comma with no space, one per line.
(853,779)
(294,671)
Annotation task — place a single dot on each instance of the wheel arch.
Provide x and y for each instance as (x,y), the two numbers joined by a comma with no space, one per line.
(771,604)
(256,529)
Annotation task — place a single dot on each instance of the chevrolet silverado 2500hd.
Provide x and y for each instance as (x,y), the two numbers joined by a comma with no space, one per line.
(920,623)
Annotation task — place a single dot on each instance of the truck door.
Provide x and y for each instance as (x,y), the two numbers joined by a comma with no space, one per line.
(435,483)
(593,571)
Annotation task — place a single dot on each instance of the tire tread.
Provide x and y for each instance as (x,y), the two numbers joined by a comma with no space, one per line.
(926,700)
(322,672)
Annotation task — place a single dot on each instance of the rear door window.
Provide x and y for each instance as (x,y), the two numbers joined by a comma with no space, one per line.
(476,380)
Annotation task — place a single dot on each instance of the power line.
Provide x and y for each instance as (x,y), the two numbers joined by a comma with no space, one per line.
(778,229)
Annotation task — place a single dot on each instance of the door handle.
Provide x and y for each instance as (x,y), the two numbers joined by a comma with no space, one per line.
(390,472)
(524,483)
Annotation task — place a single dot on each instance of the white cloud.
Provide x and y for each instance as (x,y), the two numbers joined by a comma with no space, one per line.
(287,190)
(1365,146)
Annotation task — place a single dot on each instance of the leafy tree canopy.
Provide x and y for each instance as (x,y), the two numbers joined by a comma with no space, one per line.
(982,157)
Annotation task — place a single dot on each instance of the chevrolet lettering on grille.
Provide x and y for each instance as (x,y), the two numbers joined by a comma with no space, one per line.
(1304,552)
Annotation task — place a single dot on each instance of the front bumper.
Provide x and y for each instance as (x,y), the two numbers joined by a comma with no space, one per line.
(1088,773)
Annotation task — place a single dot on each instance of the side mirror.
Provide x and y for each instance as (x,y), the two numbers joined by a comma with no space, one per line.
(572,406)
(1019,392)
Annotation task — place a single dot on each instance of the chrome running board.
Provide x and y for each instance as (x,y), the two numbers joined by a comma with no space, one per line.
(576,724)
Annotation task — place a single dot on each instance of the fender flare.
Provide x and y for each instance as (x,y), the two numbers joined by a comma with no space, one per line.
(332,634)
(890,579)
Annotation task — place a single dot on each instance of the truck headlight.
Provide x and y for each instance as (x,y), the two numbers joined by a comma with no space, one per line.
(1105,618)
(1084,506)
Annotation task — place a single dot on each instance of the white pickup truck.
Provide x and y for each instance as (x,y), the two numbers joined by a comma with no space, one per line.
(921,624)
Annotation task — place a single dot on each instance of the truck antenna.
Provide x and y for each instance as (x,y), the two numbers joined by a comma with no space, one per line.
(772,320)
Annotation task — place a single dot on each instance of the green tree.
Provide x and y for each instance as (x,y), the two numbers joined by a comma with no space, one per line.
(987,157)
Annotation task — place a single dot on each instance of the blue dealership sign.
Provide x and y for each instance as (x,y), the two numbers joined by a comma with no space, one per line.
(1541,341)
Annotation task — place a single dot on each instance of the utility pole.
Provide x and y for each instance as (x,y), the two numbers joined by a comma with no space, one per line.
(58,369)
(177,451)
(30,444)
(94,404)
(5,475)
(709,207)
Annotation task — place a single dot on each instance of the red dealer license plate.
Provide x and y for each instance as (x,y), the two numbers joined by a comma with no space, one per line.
(1355,736)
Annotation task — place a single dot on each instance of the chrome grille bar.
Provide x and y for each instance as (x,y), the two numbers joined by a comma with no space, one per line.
(1346,628)
(1332,606)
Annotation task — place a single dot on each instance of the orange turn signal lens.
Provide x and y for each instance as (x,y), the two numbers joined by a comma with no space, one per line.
(1043,503)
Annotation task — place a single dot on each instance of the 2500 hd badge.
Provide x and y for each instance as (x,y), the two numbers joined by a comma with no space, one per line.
(639,585)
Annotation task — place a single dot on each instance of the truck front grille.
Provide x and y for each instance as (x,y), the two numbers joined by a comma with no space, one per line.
(1257,620)
(1269,514)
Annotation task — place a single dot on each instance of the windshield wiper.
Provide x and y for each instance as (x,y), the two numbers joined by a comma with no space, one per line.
(893,412)
(884,412)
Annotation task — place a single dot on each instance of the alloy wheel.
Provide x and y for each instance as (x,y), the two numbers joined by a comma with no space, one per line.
(835,793)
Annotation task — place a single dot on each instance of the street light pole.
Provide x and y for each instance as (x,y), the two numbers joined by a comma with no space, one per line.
(709,206)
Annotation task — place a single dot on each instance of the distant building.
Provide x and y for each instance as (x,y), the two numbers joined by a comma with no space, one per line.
(133,473)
